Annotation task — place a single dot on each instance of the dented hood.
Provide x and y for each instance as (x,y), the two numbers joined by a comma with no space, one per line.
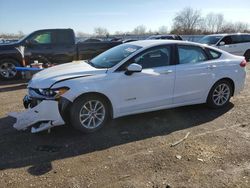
(49,76)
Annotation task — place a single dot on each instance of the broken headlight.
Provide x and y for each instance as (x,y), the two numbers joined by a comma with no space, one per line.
(53,93)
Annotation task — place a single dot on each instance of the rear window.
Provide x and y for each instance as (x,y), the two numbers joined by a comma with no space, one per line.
(246,38)
(214,54)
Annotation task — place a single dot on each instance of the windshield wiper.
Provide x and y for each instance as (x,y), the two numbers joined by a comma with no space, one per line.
(90,63)
(93,65)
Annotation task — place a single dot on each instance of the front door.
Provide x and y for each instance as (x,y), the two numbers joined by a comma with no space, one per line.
(150,89)
(39,47)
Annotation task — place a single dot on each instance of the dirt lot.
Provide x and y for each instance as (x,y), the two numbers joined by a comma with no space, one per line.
(132,151)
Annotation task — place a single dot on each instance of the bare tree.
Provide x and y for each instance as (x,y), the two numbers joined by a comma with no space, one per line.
(241,27)
(237,27)
(82,34)
(119,33)
(187,21)
(213,23)
(139,30)
(20,34)
(101,31)
(163,30)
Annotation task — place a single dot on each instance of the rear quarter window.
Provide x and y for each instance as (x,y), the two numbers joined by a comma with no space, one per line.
(213,53)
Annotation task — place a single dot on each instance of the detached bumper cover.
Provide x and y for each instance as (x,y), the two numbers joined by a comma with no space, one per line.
(41,117)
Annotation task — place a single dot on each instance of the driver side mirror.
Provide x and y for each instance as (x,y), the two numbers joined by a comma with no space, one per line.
(28,42)
(222,43)
(132,68)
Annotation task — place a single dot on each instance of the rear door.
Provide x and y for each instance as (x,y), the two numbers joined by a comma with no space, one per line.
(194,75)
(64,47)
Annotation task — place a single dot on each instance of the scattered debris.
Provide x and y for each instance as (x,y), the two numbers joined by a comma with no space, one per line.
(124,132)
(125,176)
(168,186)
(200,159)
(243,125)
(178,156)
(178,142)
(48,148)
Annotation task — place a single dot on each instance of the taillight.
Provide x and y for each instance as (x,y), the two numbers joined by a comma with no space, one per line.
(243,63)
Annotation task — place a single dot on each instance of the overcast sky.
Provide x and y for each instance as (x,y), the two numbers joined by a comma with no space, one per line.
(115,15)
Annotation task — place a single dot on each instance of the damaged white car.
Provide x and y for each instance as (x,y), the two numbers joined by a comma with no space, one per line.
(131,78)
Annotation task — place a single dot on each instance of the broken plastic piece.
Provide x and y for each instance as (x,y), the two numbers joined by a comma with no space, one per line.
(46,113)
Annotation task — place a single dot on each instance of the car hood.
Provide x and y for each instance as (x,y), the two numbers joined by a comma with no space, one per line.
(8,46)
(46,78)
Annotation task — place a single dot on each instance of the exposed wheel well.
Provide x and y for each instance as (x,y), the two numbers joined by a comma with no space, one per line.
(102,96)
(247,55)
(12,58)
(247,51)
(230,81)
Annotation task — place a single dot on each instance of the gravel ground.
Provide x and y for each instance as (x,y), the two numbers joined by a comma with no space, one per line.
(132,151)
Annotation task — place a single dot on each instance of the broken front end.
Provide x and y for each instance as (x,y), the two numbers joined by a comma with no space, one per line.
(45,109)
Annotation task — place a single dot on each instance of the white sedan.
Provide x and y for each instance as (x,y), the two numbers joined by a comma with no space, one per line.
(131,78)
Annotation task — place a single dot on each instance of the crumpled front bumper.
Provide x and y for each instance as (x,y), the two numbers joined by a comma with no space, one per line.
(41,117)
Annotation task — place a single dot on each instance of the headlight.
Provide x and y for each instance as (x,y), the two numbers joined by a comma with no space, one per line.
(53,93)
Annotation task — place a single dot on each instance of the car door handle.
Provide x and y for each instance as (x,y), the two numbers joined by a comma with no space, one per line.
(211,66)
(167,72)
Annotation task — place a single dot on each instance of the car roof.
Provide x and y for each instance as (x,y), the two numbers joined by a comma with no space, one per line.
(162,35)
(227,34)
(151,43)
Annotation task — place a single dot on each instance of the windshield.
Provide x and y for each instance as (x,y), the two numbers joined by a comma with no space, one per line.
(22,38)
(210,40)
(113,56)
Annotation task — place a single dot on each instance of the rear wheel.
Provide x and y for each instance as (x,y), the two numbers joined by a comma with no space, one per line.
(8,69)
(220,94)
(89,113)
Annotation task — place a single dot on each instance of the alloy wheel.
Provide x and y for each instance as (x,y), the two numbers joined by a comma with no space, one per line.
(92,114)
(221,94)
(8,70)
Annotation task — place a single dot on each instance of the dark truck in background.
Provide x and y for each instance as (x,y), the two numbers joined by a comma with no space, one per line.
(48,46)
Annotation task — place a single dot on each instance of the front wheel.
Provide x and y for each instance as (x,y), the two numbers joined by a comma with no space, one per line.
(89,113)
(220,94)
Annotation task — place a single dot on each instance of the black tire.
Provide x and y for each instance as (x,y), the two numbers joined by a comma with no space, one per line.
(78,107)
(7,69)
(211,98)
(247,55)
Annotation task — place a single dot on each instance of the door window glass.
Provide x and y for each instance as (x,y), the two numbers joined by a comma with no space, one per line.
(156,57)
(42,38)
(64,37)
(246,38)
(228,40)
(191,54)
(237,39)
